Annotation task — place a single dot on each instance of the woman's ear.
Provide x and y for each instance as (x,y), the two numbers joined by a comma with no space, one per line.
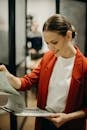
(69,35)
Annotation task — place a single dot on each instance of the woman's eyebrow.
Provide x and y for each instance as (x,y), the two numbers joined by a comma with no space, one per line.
(52,41)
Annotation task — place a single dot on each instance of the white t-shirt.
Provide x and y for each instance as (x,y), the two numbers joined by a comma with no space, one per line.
(59,84)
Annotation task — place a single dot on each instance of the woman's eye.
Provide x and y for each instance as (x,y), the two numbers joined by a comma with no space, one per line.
(47,43)
(55,42)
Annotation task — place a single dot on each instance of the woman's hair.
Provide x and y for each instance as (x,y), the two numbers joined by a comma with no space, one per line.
(59,23)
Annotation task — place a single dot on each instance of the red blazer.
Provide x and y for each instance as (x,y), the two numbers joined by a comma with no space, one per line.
(77,96)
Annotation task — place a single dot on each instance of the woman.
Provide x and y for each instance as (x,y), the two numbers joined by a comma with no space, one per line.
(61,79)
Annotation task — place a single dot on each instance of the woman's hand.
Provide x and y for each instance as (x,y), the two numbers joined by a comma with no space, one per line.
(58,119)
(3,68)
(13,80)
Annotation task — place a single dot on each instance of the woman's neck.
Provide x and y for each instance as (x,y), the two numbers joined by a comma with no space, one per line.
(68,51)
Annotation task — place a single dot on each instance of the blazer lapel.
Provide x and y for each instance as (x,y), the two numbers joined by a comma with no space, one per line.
(75,83)
(44,83)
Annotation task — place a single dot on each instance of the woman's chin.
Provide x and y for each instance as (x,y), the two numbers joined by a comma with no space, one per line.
(57,53)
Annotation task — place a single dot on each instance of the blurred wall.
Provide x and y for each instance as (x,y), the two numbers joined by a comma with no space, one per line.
(20,25)
(76,12)
(41,9)
(4,32)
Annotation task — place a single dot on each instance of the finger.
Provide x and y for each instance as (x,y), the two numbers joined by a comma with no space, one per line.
(2,67)
(55,115)
(53,119)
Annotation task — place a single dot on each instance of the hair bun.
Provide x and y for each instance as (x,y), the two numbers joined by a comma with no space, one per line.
(73,31)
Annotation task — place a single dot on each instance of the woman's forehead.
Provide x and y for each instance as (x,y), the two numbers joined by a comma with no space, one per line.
(50,36)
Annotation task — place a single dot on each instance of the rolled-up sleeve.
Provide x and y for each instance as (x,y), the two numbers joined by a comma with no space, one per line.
(85,94)
(30,79)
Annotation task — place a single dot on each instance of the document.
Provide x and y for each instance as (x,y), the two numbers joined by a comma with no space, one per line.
(36,112)
(12,101)
(15,101)
(5,86)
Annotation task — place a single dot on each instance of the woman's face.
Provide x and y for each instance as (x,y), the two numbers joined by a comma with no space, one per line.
(55,42)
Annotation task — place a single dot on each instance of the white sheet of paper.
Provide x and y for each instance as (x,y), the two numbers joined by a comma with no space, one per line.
(15,101)
(16,105)
(5,86)
(34,112)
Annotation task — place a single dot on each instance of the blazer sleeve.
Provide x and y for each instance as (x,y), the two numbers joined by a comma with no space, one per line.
(34,77)
(85,86)
(30,79)
(85,94)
